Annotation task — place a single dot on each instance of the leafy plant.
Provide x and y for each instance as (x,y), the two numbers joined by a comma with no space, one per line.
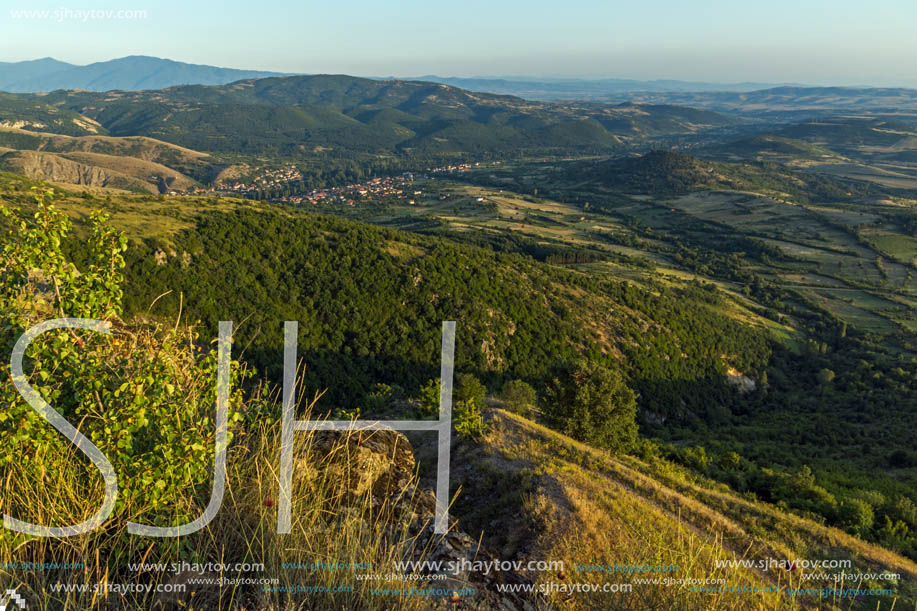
(469,388)
(145,396)
(467,419)
(518,397)
(428,399)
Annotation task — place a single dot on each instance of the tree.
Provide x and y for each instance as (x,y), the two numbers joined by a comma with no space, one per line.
(855,515)
(592,403)
(469,388)
(518,397)
(428,398)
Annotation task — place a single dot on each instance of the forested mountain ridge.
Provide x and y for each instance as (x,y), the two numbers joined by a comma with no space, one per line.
(294,115)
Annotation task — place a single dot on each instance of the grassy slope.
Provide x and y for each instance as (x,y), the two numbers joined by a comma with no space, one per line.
(831,232)
(865,148)
(95,170)
(548,223)
(537,494)
(149,163)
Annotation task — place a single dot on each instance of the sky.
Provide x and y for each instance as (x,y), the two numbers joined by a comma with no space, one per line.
(837,42)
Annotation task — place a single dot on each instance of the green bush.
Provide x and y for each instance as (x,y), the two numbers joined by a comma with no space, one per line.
(428,398)
(469,388)
(592,403)
(519,397)
(144,396)
(467,419)
(855,515)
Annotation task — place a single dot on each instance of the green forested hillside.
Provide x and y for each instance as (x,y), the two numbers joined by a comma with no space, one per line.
(36,113)
(293,115)
(821,420)
(667,173)
(369,302)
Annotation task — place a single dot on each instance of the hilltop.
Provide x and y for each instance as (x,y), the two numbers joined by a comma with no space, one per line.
(534,493)
(135,164)
(879,150)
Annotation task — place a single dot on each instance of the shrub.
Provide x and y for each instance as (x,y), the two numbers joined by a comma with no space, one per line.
(855,515)
(379,398)
(592,403)
(469,388)
(467,419)
(145,396)
(519,397)
(428,398)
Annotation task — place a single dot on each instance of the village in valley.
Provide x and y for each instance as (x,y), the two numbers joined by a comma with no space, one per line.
(287,182)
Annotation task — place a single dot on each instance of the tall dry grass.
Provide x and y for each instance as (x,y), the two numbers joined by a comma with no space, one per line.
(333,522)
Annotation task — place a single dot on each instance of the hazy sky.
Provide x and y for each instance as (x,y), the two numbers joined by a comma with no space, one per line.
(819,42)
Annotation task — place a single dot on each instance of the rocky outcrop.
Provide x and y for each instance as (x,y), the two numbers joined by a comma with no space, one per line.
(94,170)
(383,462)
(51,167)
(742,383)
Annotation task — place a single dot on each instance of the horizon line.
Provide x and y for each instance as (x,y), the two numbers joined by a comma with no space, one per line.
(520,78)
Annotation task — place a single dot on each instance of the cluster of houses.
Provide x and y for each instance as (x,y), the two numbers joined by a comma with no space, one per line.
(386,187)
(453,169)
(396,187)
(267,178)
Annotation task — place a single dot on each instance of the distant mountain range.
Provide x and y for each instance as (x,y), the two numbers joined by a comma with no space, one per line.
(140,72)
(598,90)
(785,99)
(136,72)
(745,98)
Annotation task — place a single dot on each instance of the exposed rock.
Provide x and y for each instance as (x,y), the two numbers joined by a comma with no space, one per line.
(383,461)
(95,170)
(742,382)
(46,166)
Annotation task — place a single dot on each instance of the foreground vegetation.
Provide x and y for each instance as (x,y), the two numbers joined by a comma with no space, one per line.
(145,396)
(154,380)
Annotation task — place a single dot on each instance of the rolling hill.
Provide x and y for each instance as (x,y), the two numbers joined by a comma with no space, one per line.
(135,164)
(33,113)
(94,170)
(662,172)
(534,493)
(294,115)
(786,99)
(594,90)
(880,150)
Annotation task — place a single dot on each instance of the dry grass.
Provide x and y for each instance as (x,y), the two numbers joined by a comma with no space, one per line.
(589,508)
(334,521)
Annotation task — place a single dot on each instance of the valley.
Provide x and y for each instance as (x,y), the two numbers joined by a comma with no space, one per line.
(742,266)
